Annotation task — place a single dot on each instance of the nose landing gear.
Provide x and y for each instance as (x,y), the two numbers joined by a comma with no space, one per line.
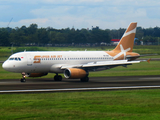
(23,79)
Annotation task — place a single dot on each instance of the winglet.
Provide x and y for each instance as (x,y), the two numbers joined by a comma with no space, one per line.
(149,60)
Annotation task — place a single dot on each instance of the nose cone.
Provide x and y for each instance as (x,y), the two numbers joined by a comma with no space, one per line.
(5,66)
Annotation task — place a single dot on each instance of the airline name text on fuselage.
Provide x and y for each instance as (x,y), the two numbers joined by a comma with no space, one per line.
(37,58)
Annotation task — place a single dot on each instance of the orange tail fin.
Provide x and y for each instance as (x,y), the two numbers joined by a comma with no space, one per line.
(127,40)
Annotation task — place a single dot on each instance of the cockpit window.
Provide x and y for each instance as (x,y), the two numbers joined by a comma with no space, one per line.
(17,59)
(11,58)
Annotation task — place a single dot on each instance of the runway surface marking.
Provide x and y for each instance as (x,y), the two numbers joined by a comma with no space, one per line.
(151,78)
(79,89)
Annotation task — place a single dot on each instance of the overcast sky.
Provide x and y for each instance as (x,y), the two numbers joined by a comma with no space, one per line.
(107,14)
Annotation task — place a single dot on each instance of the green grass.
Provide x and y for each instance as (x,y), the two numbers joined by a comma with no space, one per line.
(101,105)
(148,49)
(138,69)
(140,49)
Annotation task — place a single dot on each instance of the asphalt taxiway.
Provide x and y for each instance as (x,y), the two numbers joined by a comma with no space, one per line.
(96,83)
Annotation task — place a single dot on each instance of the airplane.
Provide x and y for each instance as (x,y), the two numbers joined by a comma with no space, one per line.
(74,64)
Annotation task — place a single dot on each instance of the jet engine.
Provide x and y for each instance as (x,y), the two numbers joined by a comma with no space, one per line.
(75,73)
(36,74)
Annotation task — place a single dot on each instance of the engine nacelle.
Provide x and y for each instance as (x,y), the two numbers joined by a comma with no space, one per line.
(36,74)
(75,73)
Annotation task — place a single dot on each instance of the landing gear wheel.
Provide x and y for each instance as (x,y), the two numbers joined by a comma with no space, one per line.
(23,80)
(58,78)
(86,79)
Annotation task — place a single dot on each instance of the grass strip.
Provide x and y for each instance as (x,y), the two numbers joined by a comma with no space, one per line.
(121,105)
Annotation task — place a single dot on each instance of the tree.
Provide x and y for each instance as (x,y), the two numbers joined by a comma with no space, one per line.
(32,28)
(4,39)
(33,34)
(42,36)
(139,33)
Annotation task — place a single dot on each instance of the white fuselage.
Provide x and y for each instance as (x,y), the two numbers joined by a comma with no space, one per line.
(38,62)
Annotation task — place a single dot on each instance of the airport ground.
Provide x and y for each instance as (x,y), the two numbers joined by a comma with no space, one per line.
(117,104)
(123,104)
(95,82)
(140,104)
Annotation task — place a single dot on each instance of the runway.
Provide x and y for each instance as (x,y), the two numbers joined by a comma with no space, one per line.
(96,83)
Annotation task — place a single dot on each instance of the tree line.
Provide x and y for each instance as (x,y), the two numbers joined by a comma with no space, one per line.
(33,35)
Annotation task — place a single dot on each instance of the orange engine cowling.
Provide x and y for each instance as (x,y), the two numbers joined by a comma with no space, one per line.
(36,74)
(75,73)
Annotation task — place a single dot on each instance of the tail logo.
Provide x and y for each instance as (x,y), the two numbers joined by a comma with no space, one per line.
(125,46)
(123,52)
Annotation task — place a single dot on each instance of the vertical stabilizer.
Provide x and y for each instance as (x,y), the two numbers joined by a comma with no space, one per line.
(127,40)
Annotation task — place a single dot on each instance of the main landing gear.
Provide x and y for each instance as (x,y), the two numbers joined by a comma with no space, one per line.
(23,79)
(58,77)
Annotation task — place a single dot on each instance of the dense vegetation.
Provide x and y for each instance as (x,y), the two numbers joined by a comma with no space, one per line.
(33,35)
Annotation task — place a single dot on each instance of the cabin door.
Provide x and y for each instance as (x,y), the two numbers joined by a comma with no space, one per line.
(29,60)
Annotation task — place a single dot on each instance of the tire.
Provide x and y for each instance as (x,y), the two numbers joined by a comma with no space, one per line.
(58,78)
(55,77)
(23,80)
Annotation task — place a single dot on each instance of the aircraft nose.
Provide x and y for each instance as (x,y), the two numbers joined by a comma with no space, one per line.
(5,66)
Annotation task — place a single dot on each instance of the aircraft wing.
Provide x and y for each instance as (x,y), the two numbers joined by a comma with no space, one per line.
(109,63)
(101,64)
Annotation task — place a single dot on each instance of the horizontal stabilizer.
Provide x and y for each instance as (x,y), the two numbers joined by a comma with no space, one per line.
(148,55)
